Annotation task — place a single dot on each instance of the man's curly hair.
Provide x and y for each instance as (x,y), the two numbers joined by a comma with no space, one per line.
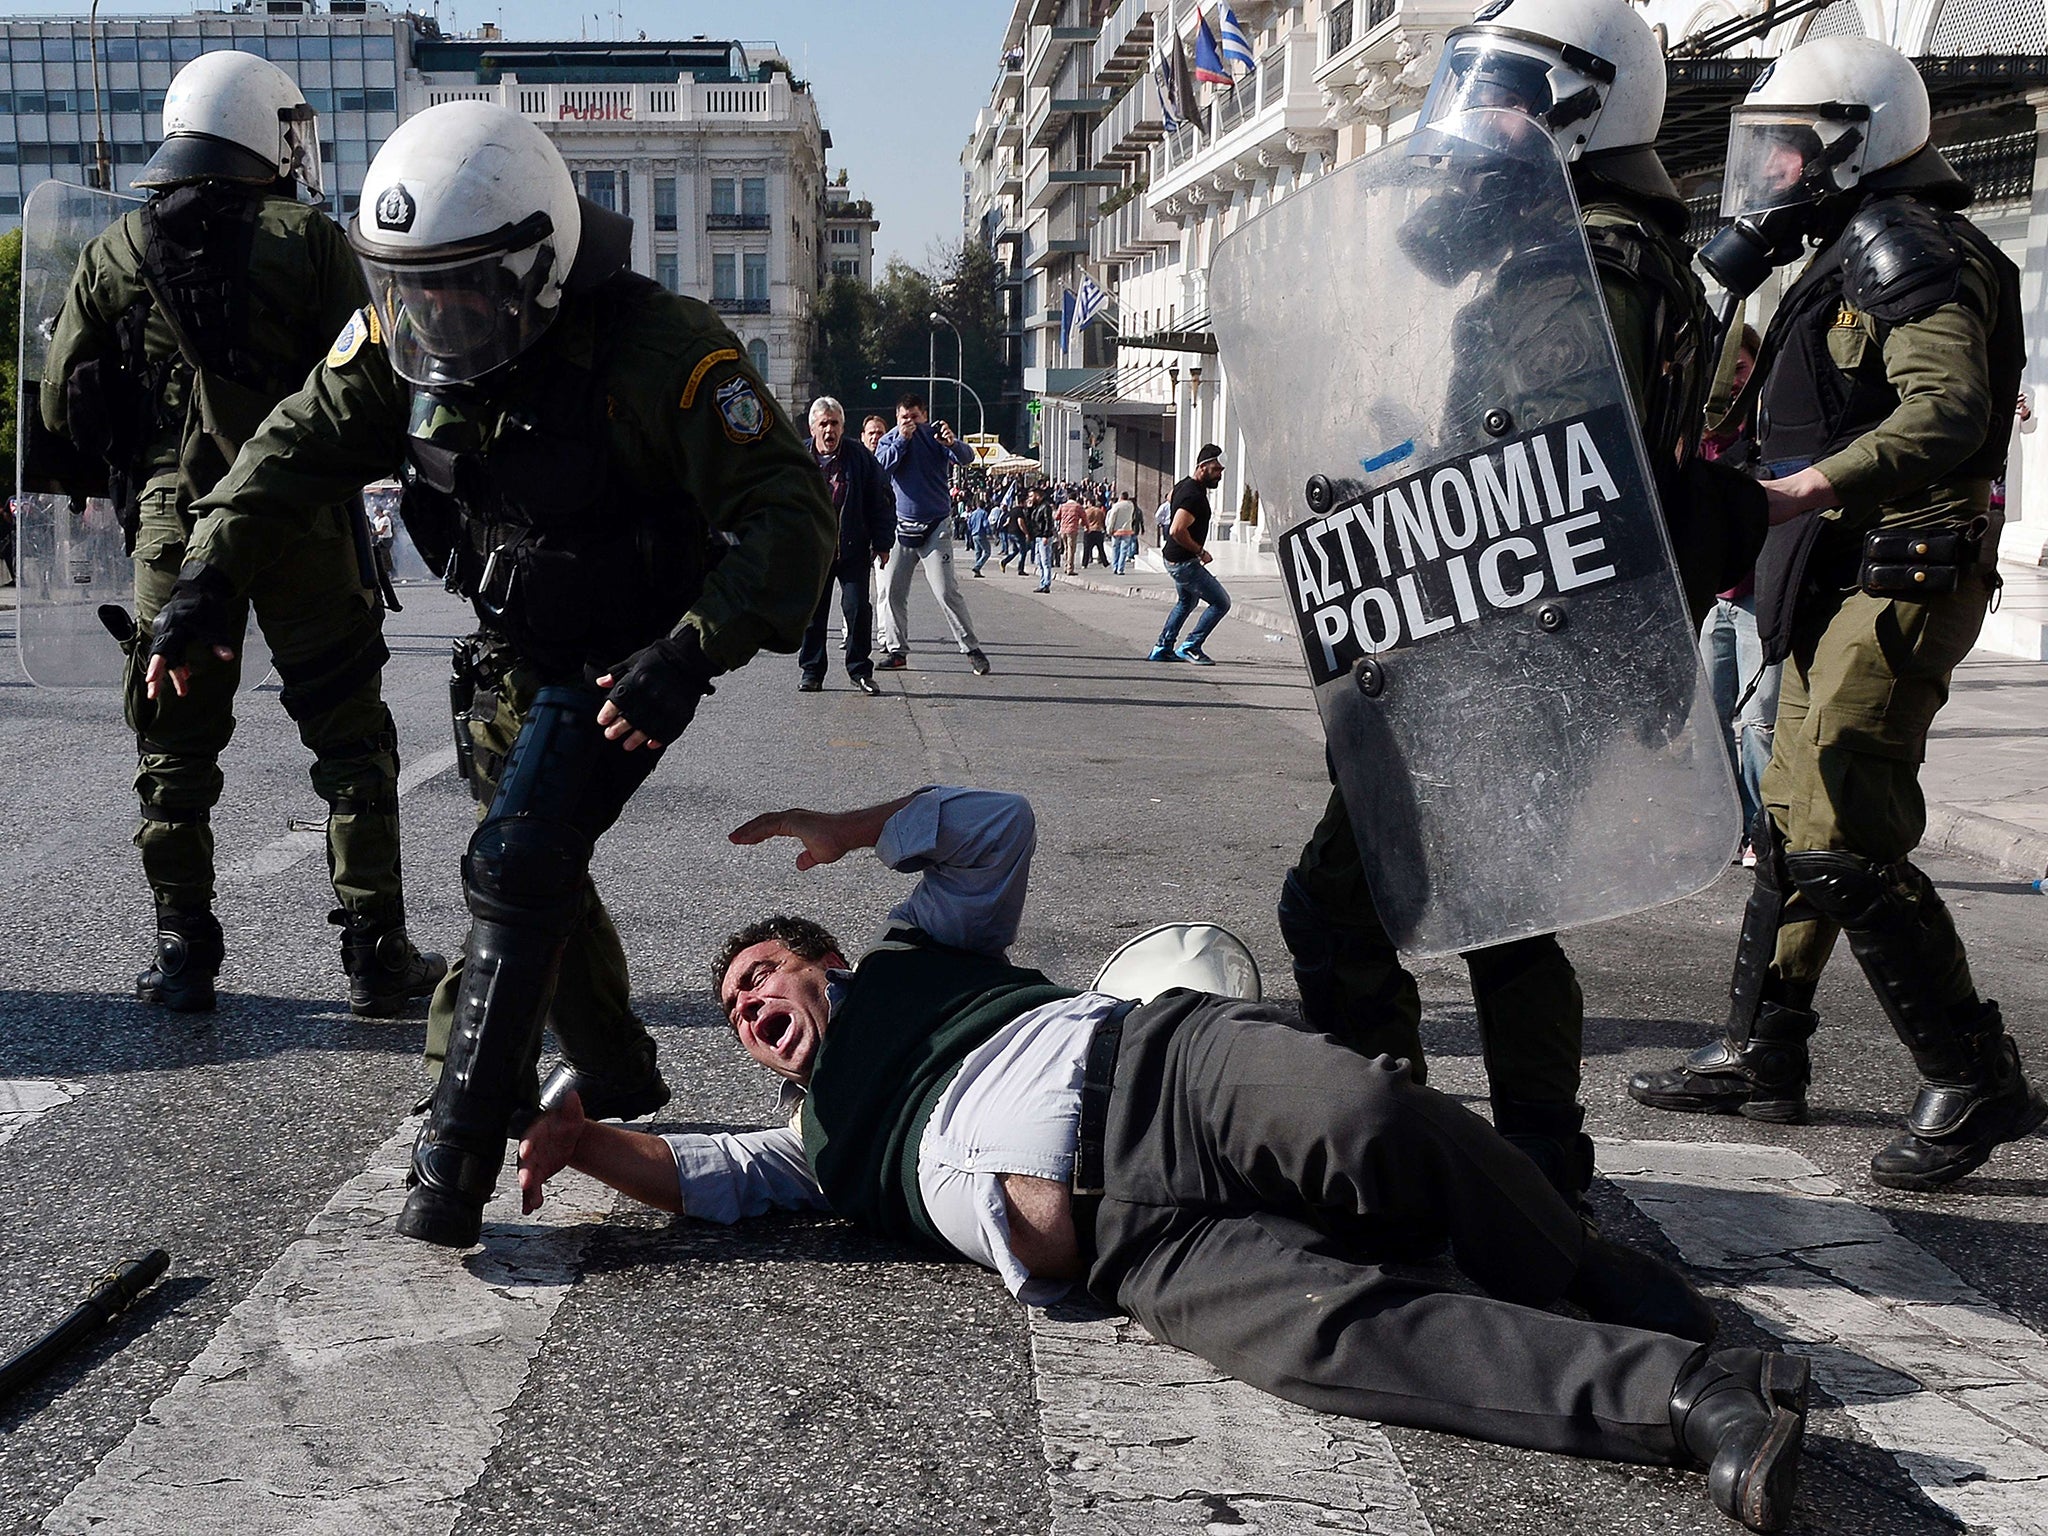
(799,935)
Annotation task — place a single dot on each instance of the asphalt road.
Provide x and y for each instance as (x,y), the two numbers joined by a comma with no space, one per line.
(793,1375)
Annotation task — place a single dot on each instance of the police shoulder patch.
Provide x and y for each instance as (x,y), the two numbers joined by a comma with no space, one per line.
(360,328)
(740,410)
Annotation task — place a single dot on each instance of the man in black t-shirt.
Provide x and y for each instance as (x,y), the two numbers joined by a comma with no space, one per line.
(1185,550)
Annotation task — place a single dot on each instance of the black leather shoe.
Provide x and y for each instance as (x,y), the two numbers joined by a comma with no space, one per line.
(606,1098)
(868,686)
(1624,1286)
(1955,1127)
(978,662)
(385,972)
(1763,1078)
(895,661)
(811,685)
(189,951)
(1741,1414)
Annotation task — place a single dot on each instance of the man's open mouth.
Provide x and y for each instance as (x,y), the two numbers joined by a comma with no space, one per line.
(774,1029)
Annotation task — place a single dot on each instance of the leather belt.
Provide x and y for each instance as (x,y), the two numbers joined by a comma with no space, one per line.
(1098,1076)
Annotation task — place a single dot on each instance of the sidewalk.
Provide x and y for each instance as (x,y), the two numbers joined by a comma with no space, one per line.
(1986,775)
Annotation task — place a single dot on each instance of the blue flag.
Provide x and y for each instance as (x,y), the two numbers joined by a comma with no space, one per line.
(1208,62)
(1066,317)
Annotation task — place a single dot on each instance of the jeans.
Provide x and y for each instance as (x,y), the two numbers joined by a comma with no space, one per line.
(983,544)
(1012,548)
(1195,586)
(1046,553)
(1123,549)
(1733,654)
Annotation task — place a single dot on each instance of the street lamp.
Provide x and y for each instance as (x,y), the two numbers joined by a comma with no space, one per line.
(960,359)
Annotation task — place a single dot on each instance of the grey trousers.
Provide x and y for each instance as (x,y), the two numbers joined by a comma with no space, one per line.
(1258,1180)
(936,556)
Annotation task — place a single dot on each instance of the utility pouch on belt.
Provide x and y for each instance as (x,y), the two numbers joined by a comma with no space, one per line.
(1919,562)
(462,687)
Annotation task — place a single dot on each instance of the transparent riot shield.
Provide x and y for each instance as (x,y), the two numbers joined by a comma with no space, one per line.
(74,557)
(1471,542)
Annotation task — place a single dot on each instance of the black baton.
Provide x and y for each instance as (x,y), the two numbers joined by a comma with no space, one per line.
(109,1296)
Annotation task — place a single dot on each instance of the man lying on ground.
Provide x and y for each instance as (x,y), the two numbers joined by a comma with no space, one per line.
(1238,1184)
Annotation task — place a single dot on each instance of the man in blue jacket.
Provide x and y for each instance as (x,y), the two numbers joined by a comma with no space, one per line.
(867,526)
(918,455)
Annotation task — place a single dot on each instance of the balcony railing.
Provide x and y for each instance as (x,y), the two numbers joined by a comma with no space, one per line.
(728,305)
(1132,124)
(735,221)
(684,101)
(1125,46)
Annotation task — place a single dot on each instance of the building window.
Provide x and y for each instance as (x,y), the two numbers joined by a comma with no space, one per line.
(757,276)
(757,354)
(668,271)
(724,198)
(602,188)
(664,203)
(725,276)
(754,196)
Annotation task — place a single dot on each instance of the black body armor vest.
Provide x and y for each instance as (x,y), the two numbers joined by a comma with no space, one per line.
(555,549)
(1810,407)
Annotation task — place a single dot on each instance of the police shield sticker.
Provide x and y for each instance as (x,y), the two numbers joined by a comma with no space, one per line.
(741,410)
(350,341)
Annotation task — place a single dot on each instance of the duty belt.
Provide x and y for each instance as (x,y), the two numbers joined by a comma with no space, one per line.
(1098,1076)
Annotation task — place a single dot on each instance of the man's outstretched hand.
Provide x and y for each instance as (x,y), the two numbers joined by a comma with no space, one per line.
(827,836)
(548,1147)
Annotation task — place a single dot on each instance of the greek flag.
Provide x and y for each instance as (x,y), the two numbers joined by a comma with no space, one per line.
(1236,47)
(1093,301)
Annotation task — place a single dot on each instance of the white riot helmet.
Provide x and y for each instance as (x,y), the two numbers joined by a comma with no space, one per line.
(1199,956)
(1819,121)
(231,116)
(1589,72)
(467,228)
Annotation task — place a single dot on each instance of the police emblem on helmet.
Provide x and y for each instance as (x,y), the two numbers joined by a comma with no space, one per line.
(395,209)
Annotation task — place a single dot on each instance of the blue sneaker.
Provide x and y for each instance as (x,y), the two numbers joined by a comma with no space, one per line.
(1188,653)
(1161,653)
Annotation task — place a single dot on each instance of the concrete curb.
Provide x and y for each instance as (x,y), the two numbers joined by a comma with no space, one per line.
(2017,849)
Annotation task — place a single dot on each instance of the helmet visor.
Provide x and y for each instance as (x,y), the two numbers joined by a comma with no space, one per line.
(298,147)
(1489,77)
(1782,156)
(453,321)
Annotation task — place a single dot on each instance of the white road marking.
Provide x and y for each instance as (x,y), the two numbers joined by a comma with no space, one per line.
(1141,1438)
(281,854)
(23,1099)
(362,1383)
(1953,1387)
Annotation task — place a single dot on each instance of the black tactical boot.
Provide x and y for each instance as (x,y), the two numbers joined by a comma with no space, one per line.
(384,971)
(189,950)
(605,1096)
(1761,1078)
(1973,1098)
(1741,1413)
(1625,1286)
(1554,1139)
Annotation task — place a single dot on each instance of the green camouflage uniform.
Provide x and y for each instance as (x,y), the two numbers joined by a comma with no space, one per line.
(661,366)
(322,623)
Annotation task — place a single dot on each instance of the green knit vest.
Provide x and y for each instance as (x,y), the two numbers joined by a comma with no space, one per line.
(907,1021)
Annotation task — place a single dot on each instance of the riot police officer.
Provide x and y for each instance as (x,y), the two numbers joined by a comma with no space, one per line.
(186,322)
(591,462)
(1883,389)
(1590,74)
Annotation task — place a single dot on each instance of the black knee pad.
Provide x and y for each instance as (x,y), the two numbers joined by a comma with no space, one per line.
(1847,889)
(526,872)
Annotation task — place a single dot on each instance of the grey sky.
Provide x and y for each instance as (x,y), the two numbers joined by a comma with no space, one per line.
(897,85)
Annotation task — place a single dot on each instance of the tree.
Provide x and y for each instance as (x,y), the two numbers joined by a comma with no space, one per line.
(866,335)
(10,347)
